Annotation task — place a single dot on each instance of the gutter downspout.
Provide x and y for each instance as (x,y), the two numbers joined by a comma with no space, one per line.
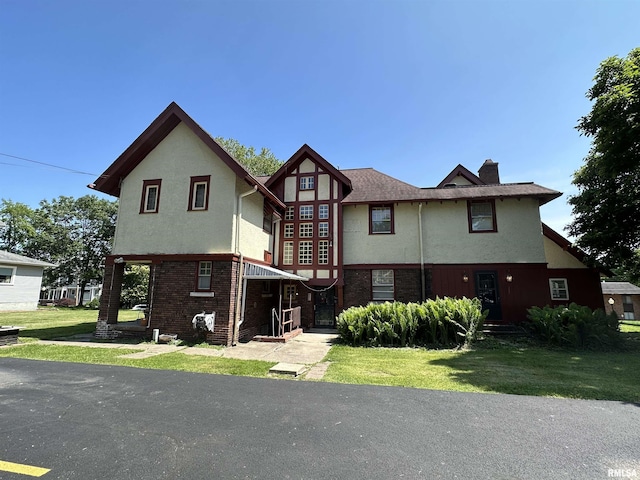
(422,285)
(239,290)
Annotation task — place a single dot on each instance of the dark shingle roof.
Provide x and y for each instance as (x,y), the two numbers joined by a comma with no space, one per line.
(371,186)
(620,288)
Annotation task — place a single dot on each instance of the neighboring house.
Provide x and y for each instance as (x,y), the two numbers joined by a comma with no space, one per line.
(70,293)
(622,298)
(20,281)
(221,240)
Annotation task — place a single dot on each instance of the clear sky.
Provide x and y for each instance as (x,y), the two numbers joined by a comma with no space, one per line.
(411,88)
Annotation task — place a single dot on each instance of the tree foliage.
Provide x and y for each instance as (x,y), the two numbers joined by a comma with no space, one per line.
(263,163)
(74,234)
(135,285)
(607,207)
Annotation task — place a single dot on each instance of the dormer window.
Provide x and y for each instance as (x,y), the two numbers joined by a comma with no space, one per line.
(150,196)
(307,183)
(199,193)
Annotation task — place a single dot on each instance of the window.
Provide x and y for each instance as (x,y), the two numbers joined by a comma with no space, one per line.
(627,307)
(287,253)
(305,253)
(7,275)
(323,252)
(289,213)
(323,229)
(382,285)
(305,230)
(204,276)
(306,212)
(288,230)
(323,212)
(482,216)
(267,219)
(381,219)
(559,290)
(307,183)
(150,196)
(290,292)
(199,193)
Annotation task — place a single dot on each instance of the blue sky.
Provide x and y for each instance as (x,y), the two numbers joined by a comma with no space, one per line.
(411,88)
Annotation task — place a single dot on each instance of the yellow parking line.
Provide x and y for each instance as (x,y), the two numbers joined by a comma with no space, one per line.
(23,469)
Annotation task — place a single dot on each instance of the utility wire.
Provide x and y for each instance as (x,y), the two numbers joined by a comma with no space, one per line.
(46,165)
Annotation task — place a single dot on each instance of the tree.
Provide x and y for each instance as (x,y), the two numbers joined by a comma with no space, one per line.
(75,234)
(16,226)
(263,163)
(607,207)
(135,285)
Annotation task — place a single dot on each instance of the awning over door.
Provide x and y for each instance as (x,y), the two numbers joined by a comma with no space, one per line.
(253,271)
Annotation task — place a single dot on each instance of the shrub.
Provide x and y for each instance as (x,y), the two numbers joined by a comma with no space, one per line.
(443,322)
(93,304)
(575,326)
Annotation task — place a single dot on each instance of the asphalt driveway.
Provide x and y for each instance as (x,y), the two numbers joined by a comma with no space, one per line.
(101,422)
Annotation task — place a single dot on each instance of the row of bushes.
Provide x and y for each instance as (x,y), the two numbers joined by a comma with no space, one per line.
(440,322)
(575,326)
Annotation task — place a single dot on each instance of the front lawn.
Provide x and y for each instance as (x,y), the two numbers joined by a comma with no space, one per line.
(48,323)
(495,366)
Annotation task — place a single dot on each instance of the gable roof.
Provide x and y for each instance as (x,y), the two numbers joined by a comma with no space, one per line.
(371,186)
(620,288)
(9,258)
(305,151)
(464,173)
(569,247)
(109,181)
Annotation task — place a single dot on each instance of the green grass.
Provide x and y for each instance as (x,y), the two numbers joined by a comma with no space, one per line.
(630,326)
(168,361)
(499,367)
(47,323)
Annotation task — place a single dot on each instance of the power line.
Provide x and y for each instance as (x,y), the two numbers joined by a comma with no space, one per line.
(45,164)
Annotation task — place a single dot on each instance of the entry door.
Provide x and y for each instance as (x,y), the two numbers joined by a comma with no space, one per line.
(487,292)
(325,315)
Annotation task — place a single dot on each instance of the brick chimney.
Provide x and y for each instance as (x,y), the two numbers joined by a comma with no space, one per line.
(488,172)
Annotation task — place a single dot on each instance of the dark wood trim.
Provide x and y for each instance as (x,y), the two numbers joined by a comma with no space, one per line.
(494,216)
(381,205)
(143,201)
(206,179)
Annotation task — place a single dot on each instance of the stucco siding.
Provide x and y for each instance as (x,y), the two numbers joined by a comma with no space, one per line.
(518,239)
(253,239)
(174,229)
(362,248)
(559,258)
(24,293)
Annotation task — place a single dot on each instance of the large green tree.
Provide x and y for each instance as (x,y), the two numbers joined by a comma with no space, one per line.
(16,226)
(607,207)
(262,163)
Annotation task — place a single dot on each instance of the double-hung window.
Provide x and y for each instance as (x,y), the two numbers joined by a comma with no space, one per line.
(382,285)
(323,252)
(150,201)
(559,289)
(627,307)
(323,229)
(287,253)
(306,212)
(288,230)
(380,219)
(305,230)
(199,193)
(482,216)
(289,213)
(305,252)
(204,275)
(323,212)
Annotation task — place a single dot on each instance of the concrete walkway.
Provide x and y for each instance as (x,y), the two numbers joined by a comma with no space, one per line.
(306,350)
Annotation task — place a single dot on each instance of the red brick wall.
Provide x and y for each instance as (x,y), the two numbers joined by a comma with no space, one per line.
(357,286)
(172,307)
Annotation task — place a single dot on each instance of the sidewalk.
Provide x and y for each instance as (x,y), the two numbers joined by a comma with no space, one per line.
(306,350)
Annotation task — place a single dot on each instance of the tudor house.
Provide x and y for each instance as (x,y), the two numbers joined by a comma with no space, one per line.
(219,240)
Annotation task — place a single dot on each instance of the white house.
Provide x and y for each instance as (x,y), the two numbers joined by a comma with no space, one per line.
(20,281)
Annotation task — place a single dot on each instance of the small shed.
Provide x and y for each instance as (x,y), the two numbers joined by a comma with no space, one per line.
(20,281)
(623,298)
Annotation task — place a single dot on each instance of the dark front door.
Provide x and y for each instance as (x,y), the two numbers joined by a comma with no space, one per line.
(487,292)
(325,315)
